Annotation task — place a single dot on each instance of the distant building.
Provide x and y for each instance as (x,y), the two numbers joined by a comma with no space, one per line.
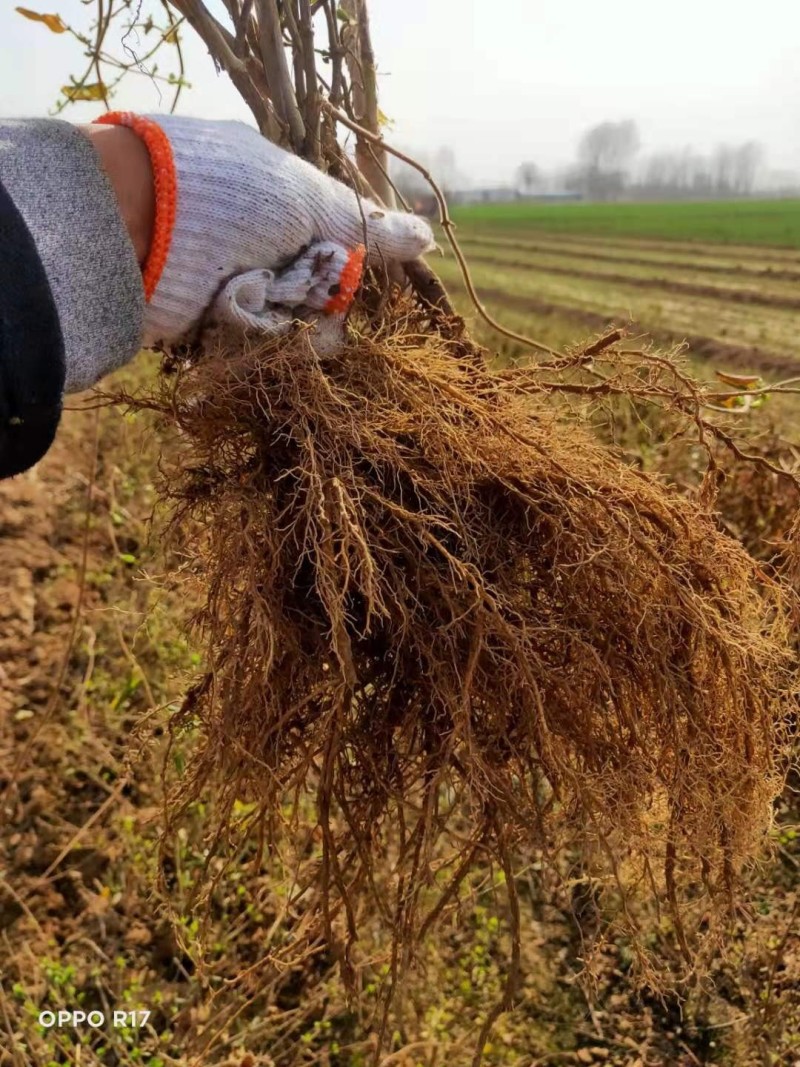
(504,194)
(553,198)
(425,204)
(500,194)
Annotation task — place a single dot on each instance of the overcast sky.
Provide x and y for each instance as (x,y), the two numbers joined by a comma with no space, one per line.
(501,81)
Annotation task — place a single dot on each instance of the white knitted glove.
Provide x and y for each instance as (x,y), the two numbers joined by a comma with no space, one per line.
(318,287)
(243,206)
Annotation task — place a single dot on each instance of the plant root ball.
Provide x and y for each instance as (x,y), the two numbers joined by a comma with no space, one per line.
(456,618)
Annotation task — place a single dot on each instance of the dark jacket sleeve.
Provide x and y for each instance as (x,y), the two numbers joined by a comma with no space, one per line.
(71,295)
(31,348)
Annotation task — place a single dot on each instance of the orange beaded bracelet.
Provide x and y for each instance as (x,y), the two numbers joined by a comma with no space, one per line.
(166,190)
(349,281)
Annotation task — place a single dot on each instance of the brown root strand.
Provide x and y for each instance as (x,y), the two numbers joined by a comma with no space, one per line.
(441,614)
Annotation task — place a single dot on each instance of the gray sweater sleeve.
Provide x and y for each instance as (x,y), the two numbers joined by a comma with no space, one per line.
(53,176)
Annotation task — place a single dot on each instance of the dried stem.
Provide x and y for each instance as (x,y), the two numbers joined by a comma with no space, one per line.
(360,59)
(222,47)
(312,148)
(449,229)
(218,40)
(276,69)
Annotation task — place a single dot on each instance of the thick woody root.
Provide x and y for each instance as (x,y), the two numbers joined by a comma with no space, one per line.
(442,610)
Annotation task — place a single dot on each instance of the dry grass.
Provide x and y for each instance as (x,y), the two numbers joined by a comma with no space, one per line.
(460,628)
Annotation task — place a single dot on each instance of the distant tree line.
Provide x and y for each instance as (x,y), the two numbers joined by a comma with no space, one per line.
(732,170)
(608,166)
(605,153)
(413,187)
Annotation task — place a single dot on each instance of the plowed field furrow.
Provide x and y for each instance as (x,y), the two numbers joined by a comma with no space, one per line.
(668,285)
(600,252)
(731,355)
(676,314)
(767,254)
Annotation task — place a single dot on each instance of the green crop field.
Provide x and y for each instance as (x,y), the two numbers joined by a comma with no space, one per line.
(749,222)
(675,272)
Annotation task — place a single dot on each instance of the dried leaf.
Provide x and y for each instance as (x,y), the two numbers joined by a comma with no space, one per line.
(52,22)
(739,381)
(171,36)
(94,91)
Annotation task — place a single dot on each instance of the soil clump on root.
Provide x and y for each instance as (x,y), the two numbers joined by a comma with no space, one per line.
(435,612)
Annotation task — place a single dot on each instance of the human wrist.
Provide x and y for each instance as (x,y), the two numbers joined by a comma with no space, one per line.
(126,162)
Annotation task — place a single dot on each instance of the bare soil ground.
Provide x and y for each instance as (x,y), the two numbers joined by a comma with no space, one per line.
(757,263)
(669,285)
(553,287)
(721,353)
(96,913)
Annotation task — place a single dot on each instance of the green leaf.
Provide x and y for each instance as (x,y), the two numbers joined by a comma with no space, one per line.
(52,22)
(94,91)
